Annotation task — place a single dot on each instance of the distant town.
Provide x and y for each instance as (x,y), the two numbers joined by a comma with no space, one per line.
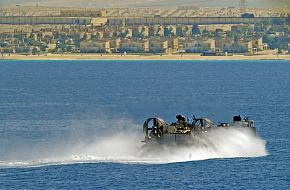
(184,30)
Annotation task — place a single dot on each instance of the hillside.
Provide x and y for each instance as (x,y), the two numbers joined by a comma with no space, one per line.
(145,3)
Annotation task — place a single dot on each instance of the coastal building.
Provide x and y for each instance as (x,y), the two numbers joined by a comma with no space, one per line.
(215,27)
(23,35)
(115,44)
(173,43)
(8,49)
(23,50)
(170,31)
(83,13)
(265,46)
(244,46)
(229,45)
(87,36)
(92,46)
(158,45)
(242,27)
(199,45)
(97,35)
(183,30)
(134,46)
(34,36)
(99,21)
(51,47)
(108,33)
(140,31)
(224,44)
(76,35)
(258,44)
(156,30)
(46,34)
(172,35)
(125,32)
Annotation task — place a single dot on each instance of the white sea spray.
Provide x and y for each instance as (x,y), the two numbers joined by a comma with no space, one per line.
(120,141)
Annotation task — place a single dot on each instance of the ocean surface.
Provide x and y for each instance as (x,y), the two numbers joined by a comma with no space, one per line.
(78,124)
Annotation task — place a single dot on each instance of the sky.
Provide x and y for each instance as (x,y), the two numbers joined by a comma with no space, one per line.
(147,3)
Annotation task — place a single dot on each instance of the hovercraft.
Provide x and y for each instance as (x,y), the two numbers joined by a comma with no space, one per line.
(157,131)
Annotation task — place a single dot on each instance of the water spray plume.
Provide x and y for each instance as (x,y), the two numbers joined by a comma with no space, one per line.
(125,146)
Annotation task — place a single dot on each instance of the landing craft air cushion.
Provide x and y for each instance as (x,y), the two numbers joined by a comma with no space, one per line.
(183,132)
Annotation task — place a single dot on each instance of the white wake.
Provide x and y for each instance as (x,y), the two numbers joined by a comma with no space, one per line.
(126,147)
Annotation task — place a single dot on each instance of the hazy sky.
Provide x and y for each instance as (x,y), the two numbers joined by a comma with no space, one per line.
(148,3)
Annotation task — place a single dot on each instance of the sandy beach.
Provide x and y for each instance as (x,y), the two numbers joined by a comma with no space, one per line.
(140,57)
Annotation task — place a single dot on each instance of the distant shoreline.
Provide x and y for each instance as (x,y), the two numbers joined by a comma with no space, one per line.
(140,57)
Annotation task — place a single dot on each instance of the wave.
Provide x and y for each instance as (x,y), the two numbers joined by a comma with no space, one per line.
(126,147)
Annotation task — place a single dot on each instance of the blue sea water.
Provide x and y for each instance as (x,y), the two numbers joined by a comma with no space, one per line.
(75,124)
